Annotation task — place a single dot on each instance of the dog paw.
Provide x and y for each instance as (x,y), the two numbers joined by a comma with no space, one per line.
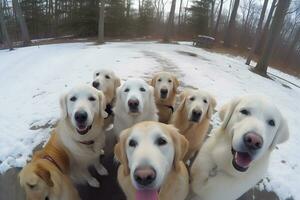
(94,182)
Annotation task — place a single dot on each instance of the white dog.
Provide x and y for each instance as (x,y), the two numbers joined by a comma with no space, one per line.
(237,154)
(151,167)
(81,131)
(135,103)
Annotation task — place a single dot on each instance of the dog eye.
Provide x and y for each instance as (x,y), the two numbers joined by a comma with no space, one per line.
(192,98)
(132,143)
(245,112)
(126,90)
(159,80)
(170,81)
(161,141)
(97,74)
(73,98)
(204,100)
(46,198)
(107,77)
(142,89)
(271,122)
(91,98)
(30,186)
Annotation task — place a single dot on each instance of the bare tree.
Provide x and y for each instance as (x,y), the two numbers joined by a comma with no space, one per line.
(4,31)
(218,18)
(23,25)
(101,22)
(231,25)
(258,32)
(170,23)
(212,16)
(293,44)
(180,11)
(262,65)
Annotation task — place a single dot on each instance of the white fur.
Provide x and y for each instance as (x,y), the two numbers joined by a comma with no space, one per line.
(147,108)
(213,175)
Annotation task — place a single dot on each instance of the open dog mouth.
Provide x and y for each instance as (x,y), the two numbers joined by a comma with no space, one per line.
(146,194)
(241,160)
(83,129)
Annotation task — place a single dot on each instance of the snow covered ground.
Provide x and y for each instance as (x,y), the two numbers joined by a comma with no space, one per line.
(33,78)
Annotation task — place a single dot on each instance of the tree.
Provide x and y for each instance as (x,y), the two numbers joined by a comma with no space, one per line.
(199,19)
(212,9)
(262,65)
(258,32)
(293,44)
(218,18)
(231,25)
(22,23)
(101,22)
(4,31)
(170,23)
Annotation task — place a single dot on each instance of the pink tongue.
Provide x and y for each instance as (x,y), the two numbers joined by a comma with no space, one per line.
(243,159)
(146,195)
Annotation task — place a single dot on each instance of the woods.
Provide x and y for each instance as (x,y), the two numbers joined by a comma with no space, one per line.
(252,27)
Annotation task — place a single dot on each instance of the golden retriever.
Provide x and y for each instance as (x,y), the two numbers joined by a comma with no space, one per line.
(165,89)
(151,167)
(192,117)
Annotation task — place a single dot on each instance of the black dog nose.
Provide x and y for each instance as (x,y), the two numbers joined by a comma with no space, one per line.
(253,141)
(196,114)
(144,175)
(96,84)
(81,116)
(133,103)
(164,91)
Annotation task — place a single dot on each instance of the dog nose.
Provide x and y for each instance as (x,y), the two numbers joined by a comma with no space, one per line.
(253,141)
(144,175)
(81,116)
(196,114)
(133,103)
(164,91)
(95,84)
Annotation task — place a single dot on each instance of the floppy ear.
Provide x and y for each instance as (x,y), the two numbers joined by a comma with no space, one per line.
(211,106)
(180,144)
(176,84)
(63,106)
(282,134)
(44,174)
(102,104)
(182,99)
(117,82)
(120,150)
(226,112)
(153,80)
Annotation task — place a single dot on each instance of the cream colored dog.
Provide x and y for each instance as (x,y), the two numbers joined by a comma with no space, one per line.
(237,154)
(192,117)
(81,131)
(165,89)
(151,167)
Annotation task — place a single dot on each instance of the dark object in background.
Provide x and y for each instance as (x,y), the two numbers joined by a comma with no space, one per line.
(203,41)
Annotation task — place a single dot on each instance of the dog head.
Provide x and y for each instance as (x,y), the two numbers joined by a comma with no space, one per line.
(37,182)
(165,85)
(83,105)
(255,126)
(134,96)
(106,81)
(197,104)
(148,151)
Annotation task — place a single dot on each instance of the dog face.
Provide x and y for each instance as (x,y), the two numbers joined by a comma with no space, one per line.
(36,181)
(198,104)
(255,125)
(148,152)
(105,80)
(82,105)
(164,84)
(135,95)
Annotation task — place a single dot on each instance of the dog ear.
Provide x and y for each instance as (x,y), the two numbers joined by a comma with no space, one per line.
(120,150)
(181,146)
(182,99)
(175,84)
(63,106)
(44,174)
(102,104)
(226,112)
(153,80)
(117,82)
(282,134)
(211,106)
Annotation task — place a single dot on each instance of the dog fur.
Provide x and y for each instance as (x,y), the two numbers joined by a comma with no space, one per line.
(215,174)
(165,105)
(194,131)
(167,160)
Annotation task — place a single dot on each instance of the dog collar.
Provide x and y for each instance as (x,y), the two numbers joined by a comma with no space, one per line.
(170,107)
(50,159)
(109,110)
(87,142)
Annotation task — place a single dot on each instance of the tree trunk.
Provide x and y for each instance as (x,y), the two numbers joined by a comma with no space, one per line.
(179,15)
(218,18)
(293,45)
(170,24)
(231,25)
(23,26)
(228,16)
(258,32)
(4,31)
(101,22)
(276,26)
(212,16)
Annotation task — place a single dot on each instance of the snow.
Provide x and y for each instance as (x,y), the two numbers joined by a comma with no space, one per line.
(34,77)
